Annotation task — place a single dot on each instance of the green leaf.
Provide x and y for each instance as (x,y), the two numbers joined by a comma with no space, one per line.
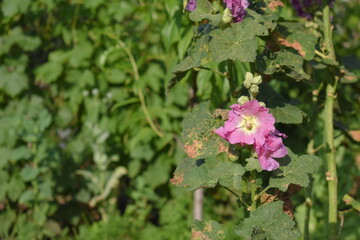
(237,42)
(197,173)
(29,173)
(283,61)
(252,164)
(12,81)
(27,196)
(49,72)
(11,7)
(295,36)
(198,134)
(198,55)
(268,222)
(205,10)
(352,202)
(282,111)
(206,230)
(294,169)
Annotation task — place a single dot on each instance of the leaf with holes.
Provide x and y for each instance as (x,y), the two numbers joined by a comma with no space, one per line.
(198,133)
(207,173)
(268,222)
(284,61)
(205,230)
(237,42)
(294,169)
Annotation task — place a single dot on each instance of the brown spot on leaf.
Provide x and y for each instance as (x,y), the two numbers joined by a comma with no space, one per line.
(267,198)
(177,179)
(222,112)
(355,134)
(198,235)
(274,4)
(280,39)
(193,149)
(208,228)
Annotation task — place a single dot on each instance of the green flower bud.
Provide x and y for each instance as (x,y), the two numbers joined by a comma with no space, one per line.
(227,16)
(243,99)
(254,90)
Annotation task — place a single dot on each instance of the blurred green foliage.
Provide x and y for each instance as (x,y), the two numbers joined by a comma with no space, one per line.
(88,139)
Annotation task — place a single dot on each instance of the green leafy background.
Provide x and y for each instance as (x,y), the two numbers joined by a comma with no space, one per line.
(89,141)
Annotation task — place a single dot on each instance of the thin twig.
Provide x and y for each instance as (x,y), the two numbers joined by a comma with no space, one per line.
(137,78)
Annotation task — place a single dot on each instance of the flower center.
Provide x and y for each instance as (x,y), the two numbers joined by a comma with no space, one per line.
(249,124)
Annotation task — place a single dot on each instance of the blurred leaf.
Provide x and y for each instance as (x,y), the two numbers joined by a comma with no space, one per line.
(13,82)
(11,7)
(352,202)
(29,173)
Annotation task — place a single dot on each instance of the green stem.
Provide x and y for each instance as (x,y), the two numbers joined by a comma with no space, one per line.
(328,33)
(257,196)
(331,175)
(139,90)
(230,77)
(237,196)
(253,191)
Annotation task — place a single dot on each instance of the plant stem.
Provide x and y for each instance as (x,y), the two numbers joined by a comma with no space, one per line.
(253,191)
(237,196)
(230,77)
(331,175)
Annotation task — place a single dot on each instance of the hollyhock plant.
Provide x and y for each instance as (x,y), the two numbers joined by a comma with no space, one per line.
(272,148)
(248,123)
(237,8)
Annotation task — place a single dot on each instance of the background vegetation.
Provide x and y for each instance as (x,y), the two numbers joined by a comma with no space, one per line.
(89,141)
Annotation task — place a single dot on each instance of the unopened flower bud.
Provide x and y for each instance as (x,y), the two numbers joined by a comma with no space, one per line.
(243,99)
(262,104)
(247,84)
(254,90)
(227,16)
(257,80)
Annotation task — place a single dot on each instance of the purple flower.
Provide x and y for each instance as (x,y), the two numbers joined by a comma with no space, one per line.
(237,8)
(307,8)
(272,148)
(248,124)
(191,5)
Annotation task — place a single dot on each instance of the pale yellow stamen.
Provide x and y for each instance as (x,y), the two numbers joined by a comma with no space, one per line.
(249,124)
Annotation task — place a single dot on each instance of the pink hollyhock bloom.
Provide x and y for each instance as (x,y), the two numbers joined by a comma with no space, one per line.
(237,8)
(191,5)
(272,148)
(248,123)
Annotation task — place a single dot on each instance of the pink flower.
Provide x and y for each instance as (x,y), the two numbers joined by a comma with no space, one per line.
(272,148)
(248,123)
(237,8)
(191,5)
